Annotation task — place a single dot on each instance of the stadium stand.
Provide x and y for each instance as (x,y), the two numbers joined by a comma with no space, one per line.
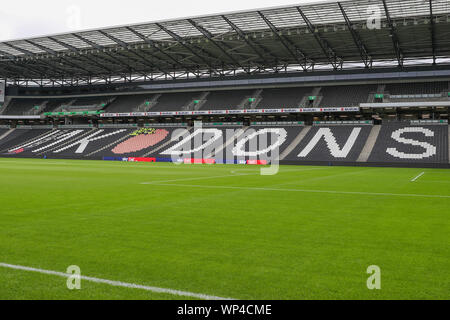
(176,101)
(226,100)
(25,106)
(137,143)
(424,91)
(337,96)
(346,96)
(331,144)
(203,142)
(40,145)
(132,103)
(86,104)
(405,143)
(267,70)
(283,97)
(418,88)
(263,138)
(54,104)
(19,137)
(36,106)
(89,142)
(393,143)
(3,133)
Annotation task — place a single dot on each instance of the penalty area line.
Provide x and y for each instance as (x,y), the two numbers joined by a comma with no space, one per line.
(116,283)
(418,177)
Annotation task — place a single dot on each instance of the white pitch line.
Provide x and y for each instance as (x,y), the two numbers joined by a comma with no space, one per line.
(36,162)
(224,176)
(418,177)
(117,283)
(199,178)
(308,191)
(213,177)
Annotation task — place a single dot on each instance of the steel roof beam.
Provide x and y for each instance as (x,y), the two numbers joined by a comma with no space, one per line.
(31,54)
(246,39)
(53,52)
(180,40)
(329,52)
(14,70)
(365,56)
(288,44)
(125,46)
(101,48)
(210,37)
(154,45)
(433,32)
(78,52)
(118,61)
(17,66)
(393,34)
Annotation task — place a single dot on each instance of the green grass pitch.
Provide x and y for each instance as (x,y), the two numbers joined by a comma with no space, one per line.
(227,231)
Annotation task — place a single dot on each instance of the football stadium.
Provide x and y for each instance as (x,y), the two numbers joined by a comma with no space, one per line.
(288,153)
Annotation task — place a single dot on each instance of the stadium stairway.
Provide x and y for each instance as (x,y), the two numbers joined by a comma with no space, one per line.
(295,143)
(245,104)
(370,144)
(4,109)
(7,133)
(197,103)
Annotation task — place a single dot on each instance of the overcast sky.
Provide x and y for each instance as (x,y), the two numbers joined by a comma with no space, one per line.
(28,18)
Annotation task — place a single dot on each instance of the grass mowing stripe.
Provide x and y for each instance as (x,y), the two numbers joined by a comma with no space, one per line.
(307,191)
(418,177)
(117,283)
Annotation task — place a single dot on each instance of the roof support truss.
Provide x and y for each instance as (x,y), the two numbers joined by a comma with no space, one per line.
(101,48)
(329,52)
(125,46)
(181,41)
(393,33)
(50,51)
(433,32)
(78,52)
(365,57)
(52,67)
(17,66)
(241,34)
(155,46)
(298,55)
(223,48)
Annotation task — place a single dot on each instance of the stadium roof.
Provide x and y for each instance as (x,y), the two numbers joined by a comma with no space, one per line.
(290,38)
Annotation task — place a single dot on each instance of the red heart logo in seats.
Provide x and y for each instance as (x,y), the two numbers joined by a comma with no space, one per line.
(141,142)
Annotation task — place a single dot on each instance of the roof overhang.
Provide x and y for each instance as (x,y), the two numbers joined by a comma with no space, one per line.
(351,33)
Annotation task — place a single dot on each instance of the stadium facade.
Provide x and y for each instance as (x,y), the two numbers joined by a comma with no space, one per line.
(352,82)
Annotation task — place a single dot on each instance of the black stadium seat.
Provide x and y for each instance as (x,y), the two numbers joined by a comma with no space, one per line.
(404,143)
